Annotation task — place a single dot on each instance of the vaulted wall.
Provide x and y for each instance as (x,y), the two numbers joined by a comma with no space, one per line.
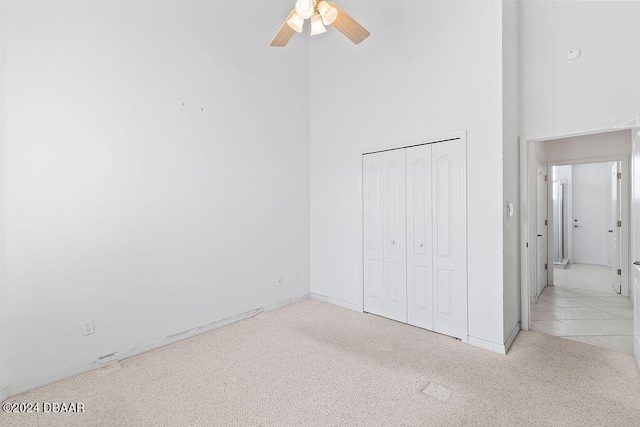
(128,208)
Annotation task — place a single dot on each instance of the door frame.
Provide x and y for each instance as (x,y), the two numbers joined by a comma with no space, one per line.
(635,215)
(548,274)
(625,201)
(528,204)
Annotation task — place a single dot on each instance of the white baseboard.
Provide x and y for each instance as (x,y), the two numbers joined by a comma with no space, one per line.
(637,348)
(512,336)
(498,348)
(15,389)
(334,301)
(487,345)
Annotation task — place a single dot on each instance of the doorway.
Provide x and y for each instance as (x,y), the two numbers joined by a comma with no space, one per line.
(588,252)
(584,302)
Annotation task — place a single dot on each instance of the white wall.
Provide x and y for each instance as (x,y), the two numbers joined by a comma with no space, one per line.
(594,146)
(601,88)
(4,368)
(126,208)
(591,201)
(429,69)
(510,162)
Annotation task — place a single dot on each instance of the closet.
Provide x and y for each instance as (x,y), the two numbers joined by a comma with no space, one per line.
(415,248)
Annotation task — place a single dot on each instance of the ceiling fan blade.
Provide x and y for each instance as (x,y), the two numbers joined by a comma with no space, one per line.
(284,34)
(349,27)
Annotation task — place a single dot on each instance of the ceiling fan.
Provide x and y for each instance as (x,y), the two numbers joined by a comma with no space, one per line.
(320,13)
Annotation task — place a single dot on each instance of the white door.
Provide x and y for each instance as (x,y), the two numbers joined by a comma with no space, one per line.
(449,238)
(635,206)
(614,231)
(419,238)
(385,285)
(541,226)
(591,197)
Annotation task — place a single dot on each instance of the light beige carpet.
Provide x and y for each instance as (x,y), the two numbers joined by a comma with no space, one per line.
(314,364)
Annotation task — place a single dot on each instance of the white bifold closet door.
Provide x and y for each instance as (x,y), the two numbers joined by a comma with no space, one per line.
(419,237)
(435,285)
(449,238)
(385,235)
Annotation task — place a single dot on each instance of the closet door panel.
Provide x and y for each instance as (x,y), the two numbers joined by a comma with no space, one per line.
(373,231)
(385,234)
(419,237)
(395,236)
(449,238)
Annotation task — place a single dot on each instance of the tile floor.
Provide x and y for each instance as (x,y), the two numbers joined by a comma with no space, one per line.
(582,306)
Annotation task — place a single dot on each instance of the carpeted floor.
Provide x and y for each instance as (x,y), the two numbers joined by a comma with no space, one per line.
(314,364)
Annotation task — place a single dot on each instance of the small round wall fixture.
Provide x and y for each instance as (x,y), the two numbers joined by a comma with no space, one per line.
(573,54)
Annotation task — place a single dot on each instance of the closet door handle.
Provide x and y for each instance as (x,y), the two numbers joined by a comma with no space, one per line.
(610,231)
(393,242)
(636,263)
(420,245)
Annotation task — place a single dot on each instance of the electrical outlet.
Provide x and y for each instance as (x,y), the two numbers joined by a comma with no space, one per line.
(87,328)
(296,277)
(279,281)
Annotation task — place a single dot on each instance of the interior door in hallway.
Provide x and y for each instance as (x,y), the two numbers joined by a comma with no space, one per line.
(385,285)
(419,237)
(541,226)
(614,230)
(591,202)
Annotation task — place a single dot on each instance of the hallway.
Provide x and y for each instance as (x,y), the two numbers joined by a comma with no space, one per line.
(582,306)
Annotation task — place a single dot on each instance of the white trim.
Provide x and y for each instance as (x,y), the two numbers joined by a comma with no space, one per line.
(634,239)
(637,349)
(431,139)
(524,235)
(465,231)
(549,215)
(487,345)
(15,389)
(512,337)
(338,302)
(629,124)
(497,348)
(361,237)
(570,134)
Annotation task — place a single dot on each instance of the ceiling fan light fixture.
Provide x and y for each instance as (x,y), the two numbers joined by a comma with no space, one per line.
(321,13)
(328,12)
(316,25)
(296,23)
(304,9)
